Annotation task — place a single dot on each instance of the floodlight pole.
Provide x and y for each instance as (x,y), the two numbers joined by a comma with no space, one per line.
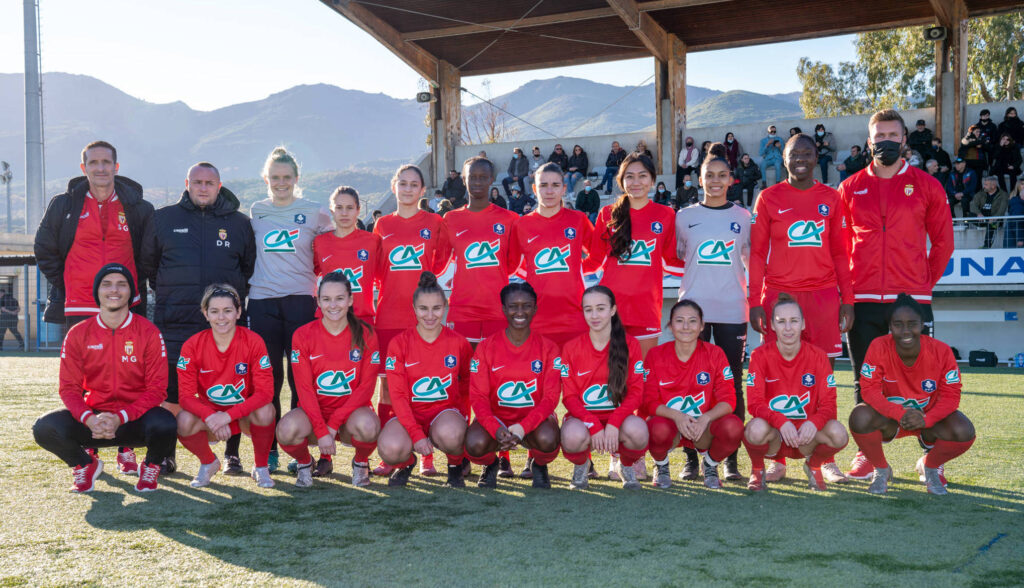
(33,119)
(5,178)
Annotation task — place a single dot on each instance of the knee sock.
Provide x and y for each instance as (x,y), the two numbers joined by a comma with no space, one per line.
(455,459)
(944,451)
(628,457)
(579,458)
(870,444)
(484,460)
(406,463)
(502,455)
(363,450)
(778,458)
(262,438)
(300,452)
(199,445)
(756,453)
(822,454)
(542,458)
(384,412)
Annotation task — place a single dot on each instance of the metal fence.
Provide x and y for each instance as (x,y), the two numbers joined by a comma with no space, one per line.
(994,232)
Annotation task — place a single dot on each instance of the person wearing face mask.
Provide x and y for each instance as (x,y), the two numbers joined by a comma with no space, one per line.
(588,201)
(974,149)
(748,173)
(1006,160)
(661,194)
(686,195)
(689,161)
(732,150)
(1012,125)
(960,182)
(825,143)
(988,129)
(536,160)
(892,211)
(518,171)
(940,155)
(771,156)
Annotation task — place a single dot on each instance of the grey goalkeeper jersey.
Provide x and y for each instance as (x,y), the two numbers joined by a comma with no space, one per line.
(284,247)
(715,243)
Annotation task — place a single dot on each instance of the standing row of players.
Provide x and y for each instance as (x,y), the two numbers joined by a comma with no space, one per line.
(795,244)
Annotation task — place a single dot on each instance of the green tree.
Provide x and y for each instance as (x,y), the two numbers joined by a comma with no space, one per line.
(995,59)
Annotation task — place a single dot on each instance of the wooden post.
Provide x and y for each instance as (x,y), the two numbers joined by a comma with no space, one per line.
(958,46)
(450,79)
(941,68)
(677,97)
(662,137)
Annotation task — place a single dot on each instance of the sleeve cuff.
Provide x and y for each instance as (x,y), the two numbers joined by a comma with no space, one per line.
(85,416)
(124,416)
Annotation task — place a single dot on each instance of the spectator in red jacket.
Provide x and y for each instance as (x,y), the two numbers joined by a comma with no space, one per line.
(113,377)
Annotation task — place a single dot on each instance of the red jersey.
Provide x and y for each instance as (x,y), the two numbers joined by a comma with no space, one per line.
(636,280)
(358,256)
(236,381)
(585,383)
(931,385)
(692,387)
(780,390)
(551,252)
(888,226)
(512,384)
(122,370)
(797,243)
(480,241)
(333,376)
(409,246)
(426,378)
(102,237)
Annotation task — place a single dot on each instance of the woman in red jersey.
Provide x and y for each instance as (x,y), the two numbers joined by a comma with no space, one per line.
(412,240)
(550,243)
(691,398)
(791,393)
(354,253)
(428,374)
(797,246)
(335,361)
(602,385)
(635,241)
(911,387)
(227,386)
(515,388)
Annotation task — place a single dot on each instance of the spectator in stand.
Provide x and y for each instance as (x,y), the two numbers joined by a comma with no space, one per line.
(748,174)
(376,217)
(914,158)
(988,129)
(9,317)
(1006,161)
(920,139)
(520,203)
(578,166)
(939,154)
(432,204)
(518,170)
(932,167)
(687,194)
(454,189)
(852,164)
(482,153)
(536,160)
(826,148)
(974,150)
(771,156)
(732,150)
(961,182)
(497,199)
(611,167)
(689,161)
(641,148)
(588,201)
(990,201)
(661,194)
(704,148)
(558,156)
(1014,236)
(795,131)
(445,207)
(1012,124)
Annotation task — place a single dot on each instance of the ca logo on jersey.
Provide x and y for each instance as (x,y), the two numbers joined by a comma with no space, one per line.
(517,394)
(183,363)
(806,233)
(928,386)
(553,259)
(703,379)
(353,275)
(295,355)
(431,389)
(715,252)
(375,358)
(639,253)
(280,241)
(638,367)
(474,366)
(830,381)
(953,376)
(792,406)
(867,370)
(482,254)
(406,257)
(689,405)
(596,397)
(226,395)
(727,373)
(389,363)
(751,378)
(909,402)
(335,383)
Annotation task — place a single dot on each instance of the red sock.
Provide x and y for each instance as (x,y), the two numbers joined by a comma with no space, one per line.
(502,454)
(454,459)
(822,454)
(726,436)
(484,460)
(945,451)
(778,459)
(404,464)
(541,458)
(662,433)
(384,412)
(262,438)
(326,457)
(756,453)
(870,444)
(628,457)
(199,445)
(577,458)
(300,452)
(363,450)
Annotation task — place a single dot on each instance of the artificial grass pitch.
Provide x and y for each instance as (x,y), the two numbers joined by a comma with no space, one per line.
(332,534)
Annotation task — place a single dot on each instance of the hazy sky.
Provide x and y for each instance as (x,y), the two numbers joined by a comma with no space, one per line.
(210,54)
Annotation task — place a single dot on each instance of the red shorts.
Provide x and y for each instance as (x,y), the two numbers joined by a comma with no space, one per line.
(641,333)
(426,419)
(384,336)
(477,331)
(901,433)
(821,318)
(788,452)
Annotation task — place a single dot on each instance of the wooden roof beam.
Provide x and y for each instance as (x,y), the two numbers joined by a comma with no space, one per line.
(949,12)
(749,42)
(414,56)
(643,25)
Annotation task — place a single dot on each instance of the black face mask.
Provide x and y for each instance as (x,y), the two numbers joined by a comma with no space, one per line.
(886,153)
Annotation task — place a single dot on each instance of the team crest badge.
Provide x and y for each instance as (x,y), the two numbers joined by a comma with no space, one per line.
(425,234)
(535,366)
(241,368)
(499,229)
(449,361)
(222,234)
(703,379)
(908,189)
(570,233)
(823,209)
(121,219)
(363,255)
(657,228)
(129,347)
(300,219)
(808,380)
(734,227)
(928,386)
(355,355)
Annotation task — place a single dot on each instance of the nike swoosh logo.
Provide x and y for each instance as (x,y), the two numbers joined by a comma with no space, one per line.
(461,232)
(860,191)
(312,357)
(784,211)
(326,258)
(578,374)
(386,236)
(530,240)
(771,380)
(494,369)
(264,215)
(660,383)
(202,371)
(693,225)
(412,364)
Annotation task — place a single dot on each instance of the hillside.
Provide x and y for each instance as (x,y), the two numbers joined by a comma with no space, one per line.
(740,107)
